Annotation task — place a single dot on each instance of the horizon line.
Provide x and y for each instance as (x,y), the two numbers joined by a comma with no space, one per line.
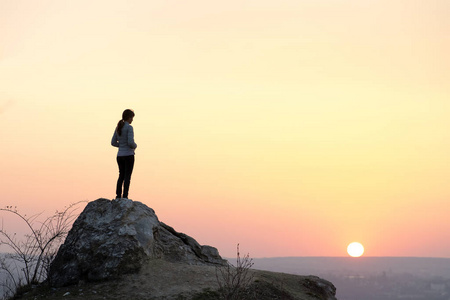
(355,258)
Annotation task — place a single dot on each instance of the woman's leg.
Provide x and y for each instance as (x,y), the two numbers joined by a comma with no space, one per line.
(129,164)
(122,168)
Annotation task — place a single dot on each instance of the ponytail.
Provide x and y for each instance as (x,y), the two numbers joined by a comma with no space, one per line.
(120,126)
(127,113)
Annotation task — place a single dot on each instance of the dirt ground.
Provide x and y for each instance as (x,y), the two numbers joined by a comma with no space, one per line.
(160,279)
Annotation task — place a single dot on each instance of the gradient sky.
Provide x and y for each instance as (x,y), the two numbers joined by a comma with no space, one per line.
(292,127)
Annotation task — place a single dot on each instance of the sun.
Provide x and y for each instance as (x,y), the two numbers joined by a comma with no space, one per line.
(355,249)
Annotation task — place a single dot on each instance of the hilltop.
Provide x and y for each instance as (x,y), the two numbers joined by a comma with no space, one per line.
(120,250)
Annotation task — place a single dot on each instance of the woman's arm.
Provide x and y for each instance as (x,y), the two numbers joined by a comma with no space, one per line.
(131,142)
(115,140)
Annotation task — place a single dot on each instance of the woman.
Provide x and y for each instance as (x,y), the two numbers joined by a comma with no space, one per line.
(124,139)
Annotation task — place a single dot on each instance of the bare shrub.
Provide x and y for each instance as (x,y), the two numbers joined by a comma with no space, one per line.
(26,260)
(234,280)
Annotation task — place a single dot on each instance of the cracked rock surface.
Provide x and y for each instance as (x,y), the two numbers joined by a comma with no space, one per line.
(115,237)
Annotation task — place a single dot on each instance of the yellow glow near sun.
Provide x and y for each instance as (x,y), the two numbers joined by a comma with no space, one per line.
(355,249)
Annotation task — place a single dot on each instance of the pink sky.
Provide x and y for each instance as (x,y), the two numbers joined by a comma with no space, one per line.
(290,127)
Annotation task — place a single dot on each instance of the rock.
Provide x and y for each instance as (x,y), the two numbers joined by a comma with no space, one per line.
(320,287)
(112,238)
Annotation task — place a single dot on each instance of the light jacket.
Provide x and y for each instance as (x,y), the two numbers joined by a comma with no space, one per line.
(125,141)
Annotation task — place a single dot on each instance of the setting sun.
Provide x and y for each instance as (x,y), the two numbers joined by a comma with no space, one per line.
(355,249)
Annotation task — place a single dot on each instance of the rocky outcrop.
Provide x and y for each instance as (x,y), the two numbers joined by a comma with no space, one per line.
(320,288)
(142,258)
(112,238)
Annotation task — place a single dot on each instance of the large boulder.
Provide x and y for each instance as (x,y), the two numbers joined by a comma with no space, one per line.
(111,238)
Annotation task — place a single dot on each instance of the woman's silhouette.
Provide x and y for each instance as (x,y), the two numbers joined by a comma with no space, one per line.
(124,139)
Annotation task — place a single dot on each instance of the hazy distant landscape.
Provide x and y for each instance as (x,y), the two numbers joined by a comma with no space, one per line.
(372,278)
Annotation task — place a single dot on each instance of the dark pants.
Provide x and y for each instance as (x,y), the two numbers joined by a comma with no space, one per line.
(126,164)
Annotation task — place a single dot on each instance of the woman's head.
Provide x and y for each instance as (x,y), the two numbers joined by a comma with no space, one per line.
(127,115)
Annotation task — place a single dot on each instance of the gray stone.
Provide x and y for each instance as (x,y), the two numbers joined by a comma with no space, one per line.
(111,238)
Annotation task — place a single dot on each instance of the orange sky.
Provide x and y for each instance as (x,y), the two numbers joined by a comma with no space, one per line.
(292,127)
